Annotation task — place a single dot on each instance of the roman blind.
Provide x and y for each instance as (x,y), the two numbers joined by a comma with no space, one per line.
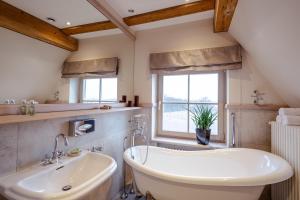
(209,59)
(103,67)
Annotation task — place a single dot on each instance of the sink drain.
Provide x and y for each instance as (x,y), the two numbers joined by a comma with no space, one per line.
(66,188)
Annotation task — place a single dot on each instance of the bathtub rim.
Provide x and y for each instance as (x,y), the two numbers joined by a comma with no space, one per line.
(280,175)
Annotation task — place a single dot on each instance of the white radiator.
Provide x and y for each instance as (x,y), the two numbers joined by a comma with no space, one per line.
(285,142)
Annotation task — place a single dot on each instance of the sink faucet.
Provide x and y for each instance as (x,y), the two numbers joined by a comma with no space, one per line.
(56,154)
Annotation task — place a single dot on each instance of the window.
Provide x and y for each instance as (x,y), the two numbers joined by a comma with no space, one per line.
(179,93)
(99,90)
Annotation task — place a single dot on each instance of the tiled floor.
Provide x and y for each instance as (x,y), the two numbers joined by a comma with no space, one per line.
(132,197)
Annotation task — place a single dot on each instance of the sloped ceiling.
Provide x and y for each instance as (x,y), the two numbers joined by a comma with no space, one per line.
(269,31)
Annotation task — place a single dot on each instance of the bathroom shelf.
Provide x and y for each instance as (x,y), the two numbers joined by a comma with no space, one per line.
(9,119)
(188,143)
(271,107)
(14,109)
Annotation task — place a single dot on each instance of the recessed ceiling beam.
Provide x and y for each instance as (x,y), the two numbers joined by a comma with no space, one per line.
(224,10)
(19,21)
(103,7)
(167,13)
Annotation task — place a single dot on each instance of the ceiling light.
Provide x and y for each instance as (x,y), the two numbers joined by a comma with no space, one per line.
(187,0)
(50,19)
(68,23)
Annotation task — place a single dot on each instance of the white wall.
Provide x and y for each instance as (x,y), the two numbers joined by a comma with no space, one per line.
(193,35)
(106,47)
(29,69)
(32,69)
(252,128)
(269,32)
(241,84)
(196,35)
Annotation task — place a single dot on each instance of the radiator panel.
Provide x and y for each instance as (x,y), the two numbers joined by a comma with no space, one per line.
(285,142)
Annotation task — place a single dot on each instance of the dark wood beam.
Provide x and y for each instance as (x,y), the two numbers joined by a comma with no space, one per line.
(224,10)
(19,21)
(167,13)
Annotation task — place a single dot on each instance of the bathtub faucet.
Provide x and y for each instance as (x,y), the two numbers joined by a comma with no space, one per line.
(138,126)
(233,130)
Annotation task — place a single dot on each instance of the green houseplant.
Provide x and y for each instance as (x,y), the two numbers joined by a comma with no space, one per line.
(203,117)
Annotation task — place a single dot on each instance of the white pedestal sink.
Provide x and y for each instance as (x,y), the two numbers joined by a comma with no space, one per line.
(72,178)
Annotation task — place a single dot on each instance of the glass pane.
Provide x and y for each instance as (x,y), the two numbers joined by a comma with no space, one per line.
(109,89)
(175,88)
(214,127)
(204,88)
(91,89)
(175,117)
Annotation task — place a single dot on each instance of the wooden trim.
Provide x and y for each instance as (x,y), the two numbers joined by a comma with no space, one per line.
(224,10)
(19,21)
(113,16)
(167,13)
(271,107)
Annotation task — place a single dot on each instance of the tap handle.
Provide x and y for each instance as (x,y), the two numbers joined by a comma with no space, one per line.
(66,141)
(60,154)
(97,149)
(47,160)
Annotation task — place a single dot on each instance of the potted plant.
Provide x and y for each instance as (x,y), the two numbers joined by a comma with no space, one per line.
(203,117)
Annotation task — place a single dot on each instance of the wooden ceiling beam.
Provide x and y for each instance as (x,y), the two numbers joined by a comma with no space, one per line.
(86,28)
(103,7)
(167,13)
(224,10)
(19,21)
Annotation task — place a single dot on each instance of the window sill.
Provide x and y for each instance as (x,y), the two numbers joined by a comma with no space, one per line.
(188,143)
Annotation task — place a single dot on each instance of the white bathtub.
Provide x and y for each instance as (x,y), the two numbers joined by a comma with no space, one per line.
(227,174)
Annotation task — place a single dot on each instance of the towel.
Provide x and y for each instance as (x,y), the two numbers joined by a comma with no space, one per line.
(288,120)
(289,111)
(278,118)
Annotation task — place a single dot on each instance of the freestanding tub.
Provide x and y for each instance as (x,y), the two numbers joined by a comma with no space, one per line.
(227,174)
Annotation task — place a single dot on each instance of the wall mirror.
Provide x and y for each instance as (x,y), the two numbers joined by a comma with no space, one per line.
(32,69)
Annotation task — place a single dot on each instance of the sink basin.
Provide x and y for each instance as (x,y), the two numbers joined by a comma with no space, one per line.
(72,178)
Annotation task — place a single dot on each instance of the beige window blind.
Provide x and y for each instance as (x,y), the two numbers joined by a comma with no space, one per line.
(210,59)
(104,67)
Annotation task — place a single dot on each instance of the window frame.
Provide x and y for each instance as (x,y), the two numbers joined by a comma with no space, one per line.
(82,90)
(220,137)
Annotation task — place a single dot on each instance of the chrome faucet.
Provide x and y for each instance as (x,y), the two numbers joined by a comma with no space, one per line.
(57,154)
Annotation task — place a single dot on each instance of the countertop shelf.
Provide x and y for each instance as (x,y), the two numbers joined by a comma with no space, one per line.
(9,119)
(271,107)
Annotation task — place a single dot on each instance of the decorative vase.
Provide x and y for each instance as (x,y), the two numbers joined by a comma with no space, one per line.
(203,136)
